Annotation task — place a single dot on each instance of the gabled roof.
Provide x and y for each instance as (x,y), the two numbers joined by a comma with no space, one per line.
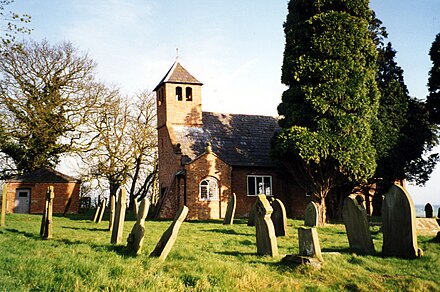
(239,140)
(178,74)
(43,175)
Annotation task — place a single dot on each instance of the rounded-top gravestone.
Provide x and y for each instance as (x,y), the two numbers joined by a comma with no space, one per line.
(429,211)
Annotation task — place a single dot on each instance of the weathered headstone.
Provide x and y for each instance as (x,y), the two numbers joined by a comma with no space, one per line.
(438,213)
(46,222)
(251,216)
(168,238)
(399,224)
(265,231)
(356,225)
(118,225)
(309,243)
(101,210)
(4,194)
(279,218)
(230,210)
(429,211)
(98,208)
(311,215)
(112,207)
(136,237)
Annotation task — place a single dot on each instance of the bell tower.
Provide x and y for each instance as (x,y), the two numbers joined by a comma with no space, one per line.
(179,98)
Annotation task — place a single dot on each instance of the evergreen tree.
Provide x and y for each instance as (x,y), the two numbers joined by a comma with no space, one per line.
(433,100)
(330,67)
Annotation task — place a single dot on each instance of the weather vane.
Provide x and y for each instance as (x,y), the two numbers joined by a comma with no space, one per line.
(177,54)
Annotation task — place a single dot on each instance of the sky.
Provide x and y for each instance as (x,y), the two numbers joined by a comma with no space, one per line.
(234,47)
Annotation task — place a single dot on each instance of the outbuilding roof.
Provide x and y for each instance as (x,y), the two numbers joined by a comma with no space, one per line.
(178,74)
(239,140)
(43,175)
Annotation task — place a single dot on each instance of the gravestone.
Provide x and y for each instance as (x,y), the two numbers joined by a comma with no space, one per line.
(98,207)
(438,213)
(356,225)
(265,231)
(136,237)
(311,215)
(399,224)
(118,225)
(251,217)
(101,210)
(429,211)
(168,238)
(112,208)
(309,243)
(279,218)
(4,194)
(46,222)
(230,210)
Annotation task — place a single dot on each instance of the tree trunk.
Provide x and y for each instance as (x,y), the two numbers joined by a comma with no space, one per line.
(322,208)
(112,206)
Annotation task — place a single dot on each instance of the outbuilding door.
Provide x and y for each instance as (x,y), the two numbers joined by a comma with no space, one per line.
(22,197)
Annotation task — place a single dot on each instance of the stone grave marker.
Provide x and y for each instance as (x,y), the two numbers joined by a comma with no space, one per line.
(168,238)
(429,211)
(311,215)
(136,238)
(438,213)
(119,219)
(46,222)
(356,225)
(265,231)
(112,208)
(399,224)
(4,194)
(101,210)
(251,216)
(230,210)
(98,207)
(309,243)
(279,218)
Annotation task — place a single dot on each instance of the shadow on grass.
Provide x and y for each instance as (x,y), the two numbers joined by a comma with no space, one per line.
(236,253)
(227,231)
(83,228)
(26,234)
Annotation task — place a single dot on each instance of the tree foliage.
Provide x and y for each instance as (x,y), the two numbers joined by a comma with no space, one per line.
(433,99)
(330,67)
(45,94)
(12,24)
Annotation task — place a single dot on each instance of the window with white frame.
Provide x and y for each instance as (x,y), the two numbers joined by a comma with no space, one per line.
(259,184)
(208,189)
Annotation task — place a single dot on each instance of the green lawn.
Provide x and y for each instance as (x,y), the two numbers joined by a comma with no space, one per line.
(207,256)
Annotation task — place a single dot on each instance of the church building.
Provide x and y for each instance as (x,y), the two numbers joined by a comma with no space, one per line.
(204,157)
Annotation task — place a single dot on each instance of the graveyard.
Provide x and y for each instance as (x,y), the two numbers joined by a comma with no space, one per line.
(206,256)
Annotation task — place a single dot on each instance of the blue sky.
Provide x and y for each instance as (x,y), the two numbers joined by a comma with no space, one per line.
(235,47)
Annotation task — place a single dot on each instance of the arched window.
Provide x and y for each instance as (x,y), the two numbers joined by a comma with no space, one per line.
(208,189)
(178,93)
(189,93)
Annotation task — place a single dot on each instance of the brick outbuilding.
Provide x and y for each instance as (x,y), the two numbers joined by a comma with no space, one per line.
(204,157)
(27,193)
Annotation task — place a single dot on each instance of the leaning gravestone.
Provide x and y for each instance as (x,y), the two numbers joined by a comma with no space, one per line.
(46,222)
(136,237)
(168,238)
(98,207)
(311,215)
(399,224)
(309,243)
(356,225)
(230,210)
(118,224)
(279,218)
(101,210)
(429,211)
(265,231)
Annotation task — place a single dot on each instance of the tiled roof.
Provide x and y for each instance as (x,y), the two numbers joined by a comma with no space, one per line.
(44,175)
(240,140)
(178,74)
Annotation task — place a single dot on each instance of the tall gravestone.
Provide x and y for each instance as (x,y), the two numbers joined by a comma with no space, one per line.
(46,222)
(4,194)
(279,218)
(311,215)
(136,238)
(118,225)
(399,224)
(251,217)
(112,208)
(265,231)
(230,210)
(101,210)
(98,207)
(309,243)
(168,238)
(356,225)
(429,211)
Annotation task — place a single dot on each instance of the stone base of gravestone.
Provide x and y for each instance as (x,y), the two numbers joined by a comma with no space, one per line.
(309,243)
(296,260)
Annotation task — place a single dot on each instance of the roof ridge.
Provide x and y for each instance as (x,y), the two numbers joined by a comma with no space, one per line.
(178,74)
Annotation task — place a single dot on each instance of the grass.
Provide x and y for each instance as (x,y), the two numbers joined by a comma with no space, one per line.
(207,256)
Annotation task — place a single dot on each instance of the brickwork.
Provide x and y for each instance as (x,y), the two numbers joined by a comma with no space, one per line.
(208,165)
(63,191)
